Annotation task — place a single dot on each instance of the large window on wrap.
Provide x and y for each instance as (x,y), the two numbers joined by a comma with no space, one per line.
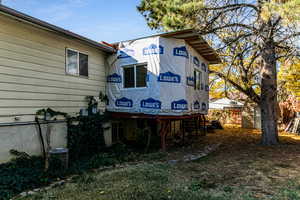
(197,78)
(135,76)
(77,63)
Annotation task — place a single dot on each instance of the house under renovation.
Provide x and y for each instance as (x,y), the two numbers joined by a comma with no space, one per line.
(157,84)
(163,78)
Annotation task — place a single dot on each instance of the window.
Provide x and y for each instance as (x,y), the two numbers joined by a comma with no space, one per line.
(141,76)
(77,63)
(129,77)
(135,76)
(197,78)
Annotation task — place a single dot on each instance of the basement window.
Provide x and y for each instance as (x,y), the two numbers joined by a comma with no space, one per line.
(77,63)
(135,76)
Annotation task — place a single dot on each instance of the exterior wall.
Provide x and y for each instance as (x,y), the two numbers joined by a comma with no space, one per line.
(133,54)
(32,77)
(32,72)
(257,117)
(169,62)
(201,96)
(251,116)
(26,139)
(248,119)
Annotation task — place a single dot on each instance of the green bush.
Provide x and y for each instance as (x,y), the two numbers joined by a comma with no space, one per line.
(85,135)
(22,174)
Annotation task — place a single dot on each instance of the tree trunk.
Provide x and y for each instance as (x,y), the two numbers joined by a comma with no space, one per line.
(269,95)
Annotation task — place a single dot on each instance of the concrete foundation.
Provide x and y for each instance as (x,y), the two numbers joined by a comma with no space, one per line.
(25,138)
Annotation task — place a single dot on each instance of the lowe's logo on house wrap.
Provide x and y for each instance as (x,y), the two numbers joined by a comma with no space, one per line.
(196,61)
(153,49)
(124,102)
(190,81)
(181,51)
(196,105)
(169,77)
(114,78)
(125,53)
(151,103)
(179,105)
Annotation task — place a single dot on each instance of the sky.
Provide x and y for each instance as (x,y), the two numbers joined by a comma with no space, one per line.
(99,20)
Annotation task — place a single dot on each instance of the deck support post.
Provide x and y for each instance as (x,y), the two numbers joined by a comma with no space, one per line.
(164,127)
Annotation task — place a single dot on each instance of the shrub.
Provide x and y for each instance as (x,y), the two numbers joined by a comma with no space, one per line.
(85,135)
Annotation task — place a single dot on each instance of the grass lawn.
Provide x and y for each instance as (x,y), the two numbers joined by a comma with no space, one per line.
(239,169)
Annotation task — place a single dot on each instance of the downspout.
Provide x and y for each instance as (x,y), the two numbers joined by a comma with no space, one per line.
(41,135)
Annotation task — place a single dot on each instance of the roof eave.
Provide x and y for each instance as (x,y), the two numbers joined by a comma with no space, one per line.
(188,33)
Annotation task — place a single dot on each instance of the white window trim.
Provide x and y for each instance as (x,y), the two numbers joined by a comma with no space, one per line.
(67,63)
(134,66)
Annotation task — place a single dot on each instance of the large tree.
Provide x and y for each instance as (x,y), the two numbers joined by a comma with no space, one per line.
(271,28)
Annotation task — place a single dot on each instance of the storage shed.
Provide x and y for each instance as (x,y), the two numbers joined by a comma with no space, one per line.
(228,111)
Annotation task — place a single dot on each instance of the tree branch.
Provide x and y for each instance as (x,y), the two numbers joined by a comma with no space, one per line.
(249,91)
(240,5)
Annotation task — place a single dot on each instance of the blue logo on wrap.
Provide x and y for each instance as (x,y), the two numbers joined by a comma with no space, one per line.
(153,49)
(151,103)
(196,105)
(169,77)
(190,81)
(196,61)
(181,51)
(114,78)
(204,67)
(124,102)
(125,53)
(206,88)
(204,107)
(179,105)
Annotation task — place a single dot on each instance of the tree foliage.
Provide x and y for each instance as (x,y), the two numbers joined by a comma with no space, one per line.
(289,78)
(251,36)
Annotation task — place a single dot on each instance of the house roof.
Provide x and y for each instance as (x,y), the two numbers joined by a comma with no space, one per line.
(195,40)
(42,24)
(224,103)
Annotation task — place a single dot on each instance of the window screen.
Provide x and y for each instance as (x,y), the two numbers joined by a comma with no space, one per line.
(141,75)
(129,77)
(72,59)
(135,76)
(77,63)
(83,65)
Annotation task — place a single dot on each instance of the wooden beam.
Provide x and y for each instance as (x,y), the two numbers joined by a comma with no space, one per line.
(186,35)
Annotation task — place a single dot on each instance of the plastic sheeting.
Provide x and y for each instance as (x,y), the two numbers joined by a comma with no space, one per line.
(170,80)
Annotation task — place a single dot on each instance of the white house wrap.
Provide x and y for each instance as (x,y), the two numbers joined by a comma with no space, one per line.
(173,70)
